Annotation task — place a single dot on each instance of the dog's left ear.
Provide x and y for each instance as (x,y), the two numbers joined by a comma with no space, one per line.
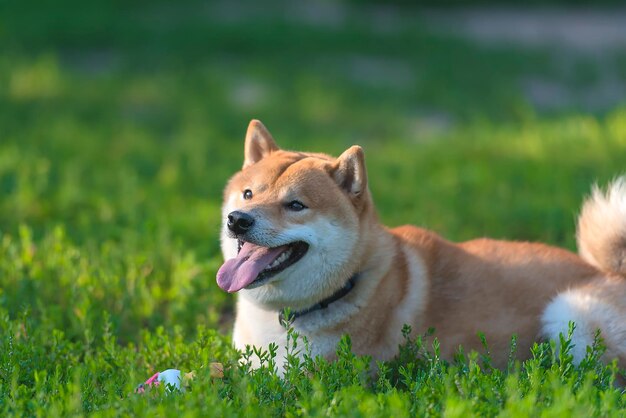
(259,143)
(349,171)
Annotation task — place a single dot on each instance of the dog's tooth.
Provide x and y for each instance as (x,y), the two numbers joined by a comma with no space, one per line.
(281,258)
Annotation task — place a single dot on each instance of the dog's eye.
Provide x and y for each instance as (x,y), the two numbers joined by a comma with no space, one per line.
(296,206)
(247,194)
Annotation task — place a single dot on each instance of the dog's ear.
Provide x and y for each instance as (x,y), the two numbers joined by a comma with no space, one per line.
(259,143)
(349,171)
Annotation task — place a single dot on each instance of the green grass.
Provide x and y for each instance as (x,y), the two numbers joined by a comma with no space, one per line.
(120,124)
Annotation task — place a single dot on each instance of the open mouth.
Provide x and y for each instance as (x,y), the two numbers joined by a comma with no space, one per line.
(254,265)
(290,254)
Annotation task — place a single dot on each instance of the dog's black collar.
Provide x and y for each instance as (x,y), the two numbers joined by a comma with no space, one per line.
(285,319)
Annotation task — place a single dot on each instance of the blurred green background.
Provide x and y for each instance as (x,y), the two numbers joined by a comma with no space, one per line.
(120,122)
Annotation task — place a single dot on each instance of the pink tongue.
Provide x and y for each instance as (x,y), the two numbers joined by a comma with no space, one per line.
(239,272)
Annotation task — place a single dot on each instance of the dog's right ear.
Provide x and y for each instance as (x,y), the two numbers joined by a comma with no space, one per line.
(259,143)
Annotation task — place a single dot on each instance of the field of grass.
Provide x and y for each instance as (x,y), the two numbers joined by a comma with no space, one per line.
(120,123)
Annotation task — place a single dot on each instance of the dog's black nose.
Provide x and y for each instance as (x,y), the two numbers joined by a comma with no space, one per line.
(239,222)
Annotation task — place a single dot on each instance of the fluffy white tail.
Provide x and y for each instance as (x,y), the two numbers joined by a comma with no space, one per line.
(602,228)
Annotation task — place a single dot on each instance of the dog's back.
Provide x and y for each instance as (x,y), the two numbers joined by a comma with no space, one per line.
(499,288)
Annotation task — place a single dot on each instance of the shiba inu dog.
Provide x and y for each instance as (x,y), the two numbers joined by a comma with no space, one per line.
(300,231)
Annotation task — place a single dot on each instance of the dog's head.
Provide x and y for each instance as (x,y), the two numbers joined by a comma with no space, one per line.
(292,223)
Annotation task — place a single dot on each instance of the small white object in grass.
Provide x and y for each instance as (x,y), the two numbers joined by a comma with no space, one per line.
(170,377)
